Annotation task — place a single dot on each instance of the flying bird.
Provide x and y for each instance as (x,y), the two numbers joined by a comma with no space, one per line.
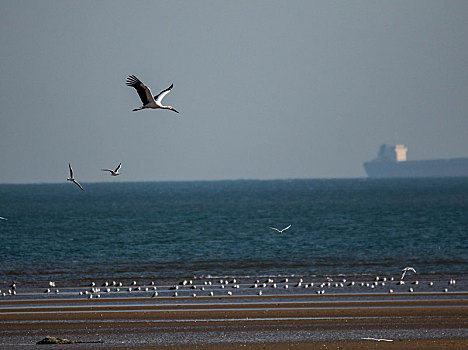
(377,339)
(71,179)
(405,270)
(114,172)
(146,97)
(2,218)
(280,231)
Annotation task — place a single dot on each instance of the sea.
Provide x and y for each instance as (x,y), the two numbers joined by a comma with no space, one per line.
(164,230)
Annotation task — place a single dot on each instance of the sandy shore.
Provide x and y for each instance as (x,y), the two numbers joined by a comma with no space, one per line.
(241,313)
(424,321)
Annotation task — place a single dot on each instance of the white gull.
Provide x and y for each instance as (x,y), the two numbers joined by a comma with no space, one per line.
(280,231)
(71,179)
(114,172)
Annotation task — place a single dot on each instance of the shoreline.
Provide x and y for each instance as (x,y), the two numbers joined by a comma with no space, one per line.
(413,321)
(240,313)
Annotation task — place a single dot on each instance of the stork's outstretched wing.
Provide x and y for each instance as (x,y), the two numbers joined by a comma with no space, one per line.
(143,91)
(158,98)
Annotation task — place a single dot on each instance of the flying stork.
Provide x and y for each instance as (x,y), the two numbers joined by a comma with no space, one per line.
(145,95)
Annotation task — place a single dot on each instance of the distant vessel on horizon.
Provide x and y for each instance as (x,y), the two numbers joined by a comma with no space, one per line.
(391,162)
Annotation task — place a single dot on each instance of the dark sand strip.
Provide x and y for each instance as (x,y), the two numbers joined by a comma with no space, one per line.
(286,323)
(151,303)
(270,312)
(455,344)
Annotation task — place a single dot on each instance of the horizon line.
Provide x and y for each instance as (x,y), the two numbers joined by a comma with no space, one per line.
(199,180)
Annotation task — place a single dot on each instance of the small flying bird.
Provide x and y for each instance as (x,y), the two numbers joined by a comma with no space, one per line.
(405,270)
(114,172)
(71,179)
(2,218)
(280,231)
(146,97)
(377,339)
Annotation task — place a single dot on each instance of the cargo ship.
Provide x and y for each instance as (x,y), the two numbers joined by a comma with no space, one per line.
(391,162)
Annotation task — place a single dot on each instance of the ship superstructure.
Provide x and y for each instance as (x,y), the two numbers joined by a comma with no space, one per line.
(391,161)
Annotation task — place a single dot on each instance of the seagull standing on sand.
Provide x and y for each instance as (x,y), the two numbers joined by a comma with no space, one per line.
(405,270)
(280,231)
(146,97)
(71,179)
(114,172)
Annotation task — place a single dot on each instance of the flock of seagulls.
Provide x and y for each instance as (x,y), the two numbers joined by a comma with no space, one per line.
(155,102)
(228,287)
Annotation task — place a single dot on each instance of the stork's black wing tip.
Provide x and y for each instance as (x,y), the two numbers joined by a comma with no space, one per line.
(132,80)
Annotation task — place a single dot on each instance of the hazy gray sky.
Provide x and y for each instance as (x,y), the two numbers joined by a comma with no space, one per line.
(265,89)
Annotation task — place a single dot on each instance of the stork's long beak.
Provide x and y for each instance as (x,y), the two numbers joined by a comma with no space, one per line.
(173,109)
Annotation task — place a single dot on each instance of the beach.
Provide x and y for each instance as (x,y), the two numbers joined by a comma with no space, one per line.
(347,317)
(177,265)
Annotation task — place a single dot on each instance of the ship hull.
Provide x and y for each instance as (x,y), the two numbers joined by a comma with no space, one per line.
(454,167)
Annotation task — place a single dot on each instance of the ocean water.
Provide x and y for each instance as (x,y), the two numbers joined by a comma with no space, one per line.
(222,228)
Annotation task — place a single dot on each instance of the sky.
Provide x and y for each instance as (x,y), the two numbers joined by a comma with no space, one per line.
(265,89)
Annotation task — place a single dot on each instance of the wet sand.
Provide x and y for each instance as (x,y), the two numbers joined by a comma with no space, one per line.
(413,321)
(239,314)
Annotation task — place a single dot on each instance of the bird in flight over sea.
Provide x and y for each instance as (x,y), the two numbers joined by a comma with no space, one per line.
(405,270)
(146,97)
(2,218)
(114,172)
(280,231)
(71,179)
